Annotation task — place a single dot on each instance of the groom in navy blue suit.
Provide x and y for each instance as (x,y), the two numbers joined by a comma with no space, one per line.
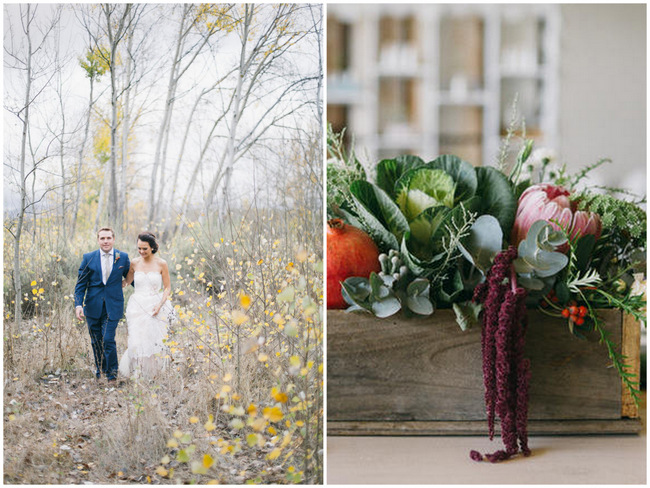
(100,284)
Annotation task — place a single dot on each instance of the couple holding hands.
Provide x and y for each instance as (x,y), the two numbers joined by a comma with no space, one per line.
(99,299)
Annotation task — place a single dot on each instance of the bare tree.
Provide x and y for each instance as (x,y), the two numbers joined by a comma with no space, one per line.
(116,28)
(23,58)
(107,33)
(95,66)
(266,35)
(183,58)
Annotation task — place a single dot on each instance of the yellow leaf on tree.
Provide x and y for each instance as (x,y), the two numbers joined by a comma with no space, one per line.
(273,414)
(33,283)
(244,301)
(161,471)
(262,358)
(227,377)
(172,443)
(194,420)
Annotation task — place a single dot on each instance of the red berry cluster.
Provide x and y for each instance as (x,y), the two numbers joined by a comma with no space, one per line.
(574,313)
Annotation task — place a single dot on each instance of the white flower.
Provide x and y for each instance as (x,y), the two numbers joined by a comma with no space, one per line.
(639,285)
(540,154)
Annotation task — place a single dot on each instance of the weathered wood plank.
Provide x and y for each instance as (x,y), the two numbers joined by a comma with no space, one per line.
(477,427)
(631,348)
(427,370)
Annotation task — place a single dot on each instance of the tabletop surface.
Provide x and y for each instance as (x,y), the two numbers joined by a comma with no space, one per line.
(597,459)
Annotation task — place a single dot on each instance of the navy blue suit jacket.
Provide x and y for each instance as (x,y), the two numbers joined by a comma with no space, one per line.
(92,293)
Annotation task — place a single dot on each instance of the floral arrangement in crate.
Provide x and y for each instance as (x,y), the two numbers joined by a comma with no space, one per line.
(490,244)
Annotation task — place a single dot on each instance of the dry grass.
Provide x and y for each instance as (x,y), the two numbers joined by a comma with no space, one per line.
(241,398)
(65,427)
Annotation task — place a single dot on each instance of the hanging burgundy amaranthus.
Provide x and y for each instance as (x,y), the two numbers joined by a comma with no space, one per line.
(506,372)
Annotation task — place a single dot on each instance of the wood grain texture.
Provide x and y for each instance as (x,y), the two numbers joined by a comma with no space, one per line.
(632,351)
(479,427)
(427,370)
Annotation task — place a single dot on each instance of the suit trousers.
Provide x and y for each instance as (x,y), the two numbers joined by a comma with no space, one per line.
(102,339)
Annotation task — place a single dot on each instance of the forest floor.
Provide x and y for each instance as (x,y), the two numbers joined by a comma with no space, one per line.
(66,427)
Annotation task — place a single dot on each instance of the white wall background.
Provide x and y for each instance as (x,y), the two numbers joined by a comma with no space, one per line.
(603,85)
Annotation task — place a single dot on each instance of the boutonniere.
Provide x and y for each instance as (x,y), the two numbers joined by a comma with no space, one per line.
(117,256)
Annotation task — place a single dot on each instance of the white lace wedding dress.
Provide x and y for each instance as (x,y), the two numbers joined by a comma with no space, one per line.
(145,355)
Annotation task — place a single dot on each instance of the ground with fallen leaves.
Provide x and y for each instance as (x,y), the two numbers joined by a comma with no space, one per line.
(66,427)
(69,428)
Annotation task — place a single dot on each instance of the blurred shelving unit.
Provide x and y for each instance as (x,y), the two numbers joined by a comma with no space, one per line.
(439,79)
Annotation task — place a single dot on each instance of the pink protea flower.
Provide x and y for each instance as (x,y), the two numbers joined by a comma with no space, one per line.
(551,203)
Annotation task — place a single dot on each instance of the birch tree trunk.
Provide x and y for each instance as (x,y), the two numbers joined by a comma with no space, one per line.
(165,122)
(114,38)
(126,126)
(77,197)
(236,108)
(18,315)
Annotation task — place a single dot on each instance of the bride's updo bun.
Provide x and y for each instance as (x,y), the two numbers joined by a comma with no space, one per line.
(149,238)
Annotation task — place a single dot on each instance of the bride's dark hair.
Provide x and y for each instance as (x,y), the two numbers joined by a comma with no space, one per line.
(150,239)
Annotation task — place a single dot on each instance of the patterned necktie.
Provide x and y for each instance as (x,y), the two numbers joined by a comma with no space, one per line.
(106,267)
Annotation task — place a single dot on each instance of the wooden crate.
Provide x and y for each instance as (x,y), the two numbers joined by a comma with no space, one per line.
(423,376)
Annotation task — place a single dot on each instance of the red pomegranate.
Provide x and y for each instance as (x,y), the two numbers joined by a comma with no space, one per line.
(350,252)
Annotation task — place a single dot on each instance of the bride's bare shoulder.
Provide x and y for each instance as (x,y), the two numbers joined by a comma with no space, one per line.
(161,262)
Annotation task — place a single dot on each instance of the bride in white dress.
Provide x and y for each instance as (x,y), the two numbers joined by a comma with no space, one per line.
(147,311)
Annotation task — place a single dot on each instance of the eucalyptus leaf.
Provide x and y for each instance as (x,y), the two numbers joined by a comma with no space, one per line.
(418,286)
(483,243)
(357,308)
(534,256)
(421,305)
(467,314)
(529,282)
(386,307)
(356,288)
(378,287)
(547,263)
